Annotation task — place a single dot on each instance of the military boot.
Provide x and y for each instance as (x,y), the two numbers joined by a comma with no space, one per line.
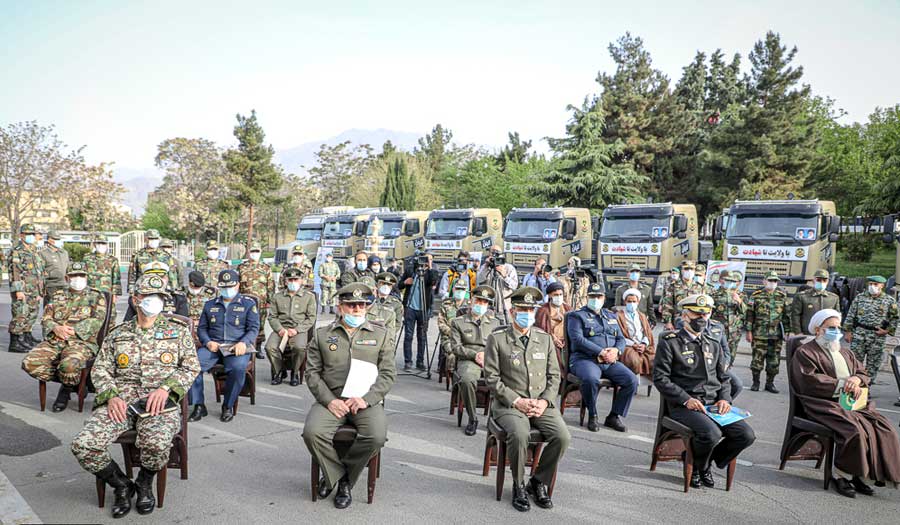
(62,398)
(15,344)
(123,488)
(145,502)
(770,385)
(755,387)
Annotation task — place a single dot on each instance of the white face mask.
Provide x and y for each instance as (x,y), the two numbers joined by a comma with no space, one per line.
(151,305)
(376,268)
(101,248)
(297,259)
(254,256)
(688,275)
(212,254)
(771,285)
(874,290)
(153,243)
(194,291)
(78,283)
(557,300)
(293,286)
(384,290)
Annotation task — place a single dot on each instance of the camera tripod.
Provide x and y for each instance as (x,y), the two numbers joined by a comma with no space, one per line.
(426,319)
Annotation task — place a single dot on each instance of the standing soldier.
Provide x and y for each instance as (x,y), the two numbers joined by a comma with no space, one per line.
(300,262)
(211,265)
(678,290)
(380,312)
(72,321)
(767,315)
(634,281)
(198,292)
(149,360)
(25,268)
(56,261)
(810,301)
(151,253)
(102,269)
(291,315)
(451,307)
(730,309)
(468,337)
(358,270)
(329,273)
(256,279)
(872,316)
(700,277)
(168,246)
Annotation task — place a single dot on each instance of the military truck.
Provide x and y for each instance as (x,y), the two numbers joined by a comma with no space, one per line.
(555,234)
(450,231)
(792,237)
(309,234)
(403,232)
(345,232)
(655,236)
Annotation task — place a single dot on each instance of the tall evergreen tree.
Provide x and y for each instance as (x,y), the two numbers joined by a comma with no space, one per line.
(399,192)
(516,151)
(433,149)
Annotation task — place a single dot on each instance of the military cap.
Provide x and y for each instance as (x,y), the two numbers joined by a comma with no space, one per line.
(688,264)
(157,267)
(150,284)
(460,284)
(196,278)
(292,273)
(526,297)
(733,277)
(772,276)
(27,228)
(876,279)
(676,269)
(212,244)
(166,243)
(356,293)
(76,268)
(54,234)
(386,277)
(821,273)
(698,302)
(297,249)
(635,268)
(152,234)
(255,247)
(484,292)
(228,278)
(99,238)
(596,289)
(701,267)
(368,281)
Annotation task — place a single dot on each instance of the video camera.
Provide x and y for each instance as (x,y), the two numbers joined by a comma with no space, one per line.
(420,264)
(496,260)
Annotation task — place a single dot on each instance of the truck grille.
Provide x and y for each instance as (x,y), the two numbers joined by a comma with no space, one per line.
(443,255)
(624,261)
(523,259)
(760,268)
(340,253)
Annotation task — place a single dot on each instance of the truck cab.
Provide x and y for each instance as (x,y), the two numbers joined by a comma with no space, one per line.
(555,234)
(792,237)
(449,231)
(654,236)
(345,233)
(891,235)
(309,234)
(403,232)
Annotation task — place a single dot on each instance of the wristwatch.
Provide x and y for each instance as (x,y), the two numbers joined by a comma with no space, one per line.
(166,388)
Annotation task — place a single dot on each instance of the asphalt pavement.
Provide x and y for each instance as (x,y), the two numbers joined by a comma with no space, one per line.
(256,468)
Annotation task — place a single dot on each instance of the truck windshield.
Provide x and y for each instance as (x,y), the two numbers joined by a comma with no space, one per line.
(531,229)
(338,229)
(390,228)
(308,233)
(768,226)
(619,228)
(446,228)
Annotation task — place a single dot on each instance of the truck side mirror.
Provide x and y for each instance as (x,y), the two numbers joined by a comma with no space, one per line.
(680,224)
(479,227)
(834,226)
(410,227)
(889,225)
(717,229)
(568,229)
(361,227)
(682,235)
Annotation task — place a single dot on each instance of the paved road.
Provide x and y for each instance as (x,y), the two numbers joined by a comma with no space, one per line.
(256,468)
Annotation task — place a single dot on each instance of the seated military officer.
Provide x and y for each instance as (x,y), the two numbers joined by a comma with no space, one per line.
(175,302)
(689,372)
(328,364)
(378,312)
(468,337)
(521,368)
(596,343)
(72,321)
(228,328)
(291,314)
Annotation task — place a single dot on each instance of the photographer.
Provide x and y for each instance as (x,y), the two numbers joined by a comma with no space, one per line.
(575,282)
(498,274)
(540,277)
(456,272)
(418,279)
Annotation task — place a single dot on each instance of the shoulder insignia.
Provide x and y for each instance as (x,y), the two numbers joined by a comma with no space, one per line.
(537,330)
(498,329)
(177,321)
(670,335)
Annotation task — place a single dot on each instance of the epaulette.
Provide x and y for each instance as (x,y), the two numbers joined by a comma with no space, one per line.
(669,335)
(61,292)
(377,323)
(119,327)
(499,329)
(177,320)
(538,330)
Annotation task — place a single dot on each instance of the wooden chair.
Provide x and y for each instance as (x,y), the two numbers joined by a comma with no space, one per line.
(570,385)
(249,389)
(84,382)
(343,439)
(673,443)
(805,439)
(495,455)
(178,458)
(895,365)
(482,400)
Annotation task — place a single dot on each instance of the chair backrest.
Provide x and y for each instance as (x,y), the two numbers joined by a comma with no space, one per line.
(566,351)
(108,319)
(794,408)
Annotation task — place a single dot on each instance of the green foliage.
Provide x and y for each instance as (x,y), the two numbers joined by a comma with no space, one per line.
(341,168)
(485,183)
(432,150)
(76,251)
(156,216)
(858,247)
(399,193)
(516,151)
(881,262)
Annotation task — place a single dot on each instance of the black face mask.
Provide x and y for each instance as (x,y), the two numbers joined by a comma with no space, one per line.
(698,325)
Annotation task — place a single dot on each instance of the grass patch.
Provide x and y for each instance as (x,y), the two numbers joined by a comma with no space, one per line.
(882,263)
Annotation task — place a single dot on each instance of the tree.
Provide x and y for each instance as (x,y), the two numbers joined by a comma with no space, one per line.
(584,173)
(339,169)
(399,193)
(93,207)
(516,151)
(432,149)
(156,216)
(254,179)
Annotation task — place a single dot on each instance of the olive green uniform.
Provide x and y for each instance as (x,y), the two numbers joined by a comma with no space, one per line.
(328,363)
(806,304)
(56,260)
(448,312)
(290,310)
(468,337)
(515,369)
(767,315)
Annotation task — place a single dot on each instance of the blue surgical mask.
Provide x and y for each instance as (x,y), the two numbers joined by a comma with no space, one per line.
(29,239)
(479,309)
(229,292)
(833,334)
(716,286)
(460,295)
(354,321)
(361,265)
(634,276)
(729,285)
(631,307)
(293,286)
(461,267)
(819,286)
(524,319)
(595,304)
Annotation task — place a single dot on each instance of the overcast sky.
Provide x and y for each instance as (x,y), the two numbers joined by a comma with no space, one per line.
(121,76)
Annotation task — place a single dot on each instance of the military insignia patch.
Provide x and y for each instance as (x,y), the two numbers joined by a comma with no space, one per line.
(357,293)
(701,301)
(529,298)
(166,358)
(332,347)
(122,360)
(690,360)
(156,282)
(226,277)
(332,339)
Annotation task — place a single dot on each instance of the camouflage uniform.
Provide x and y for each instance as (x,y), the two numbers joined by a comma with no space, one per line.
(866,314)
(196,302)
(675,292)
(306,271)
(25,267)
(147,255)
(767,315)
(132,363)
(103,272)
(256,279)
(329,269)
(176,264)
(210,268)
(731,314)
(85,312)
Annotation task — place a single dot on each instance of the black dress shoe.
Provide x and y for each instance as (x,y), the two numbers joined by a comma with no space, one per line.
(145,502)
(860,486)
(227,414)
(614,422)
(198,413)
(407,367)
(706,478)
(540,494)
(695,478)
(897,403)
(62,398)
(520,498)
(324,488)
(260,354)
(420,366)
(472,427)
(277,380)
(844,487)
(295,379)
(770,387)
(343,498)
(594,424)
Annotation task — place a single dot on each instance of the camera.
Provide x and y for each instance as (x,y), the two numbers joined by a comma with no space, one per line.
(496,260)
(420,264)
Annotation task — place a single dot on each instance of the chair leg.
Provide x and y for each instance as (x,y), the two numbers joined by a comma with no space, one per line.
(183,453)
(252,380)
(552,484)
(688,466)
(562,405)
(654,456)
(235,407)
(314,478)
(501,467)
(732,466)
(453,396)
(487,403)
(82,389)
(42,394)
(581,413)
(378,473)
(488,450)
(371,480)
(161,486)
(129,465)
(101,493)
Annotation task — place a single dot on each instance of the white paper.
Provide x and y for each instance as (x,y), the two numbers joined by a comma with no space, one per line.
(360,379)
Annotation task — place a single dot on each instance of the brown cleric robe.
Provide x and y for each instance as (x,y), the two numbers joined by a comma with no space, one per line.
(867,443)
(641,363)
